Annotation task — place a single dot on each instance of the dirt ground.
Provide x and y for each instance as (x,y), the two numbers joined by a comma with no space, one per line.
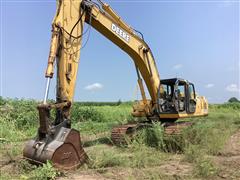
(172,168)
(229,160)
(228,163)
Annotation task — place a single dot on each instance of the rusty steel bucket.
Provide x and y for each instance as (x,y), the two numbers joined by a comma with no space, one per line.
(64,150)
(59,144)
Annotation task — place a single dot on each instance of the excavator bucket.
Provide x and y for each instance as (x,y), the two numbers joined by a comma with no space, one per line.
(58,144)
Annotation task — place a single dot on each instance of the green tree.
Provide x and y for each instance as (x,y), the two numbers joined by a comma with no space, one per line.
(233,99)
(119,102)
(2,101)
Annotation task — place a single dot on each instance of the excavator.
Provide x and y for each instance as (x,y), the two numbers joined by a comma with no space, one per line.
(170,99)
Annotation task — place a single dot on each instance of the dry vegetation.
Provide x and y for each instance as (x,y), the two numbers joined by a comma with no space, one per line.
(208,150)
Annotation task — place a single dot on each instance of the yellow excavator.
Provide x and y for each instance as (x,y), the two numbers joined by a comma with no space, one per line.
(170,99)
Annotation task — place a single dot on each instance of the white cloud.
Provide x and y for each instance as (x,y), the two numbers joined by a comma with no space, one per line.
(210,85)
(94,87)
(232,88)
(177,66)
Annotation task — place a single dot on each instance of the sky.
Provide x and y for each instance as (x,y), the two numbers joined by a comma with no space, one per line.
(194,40)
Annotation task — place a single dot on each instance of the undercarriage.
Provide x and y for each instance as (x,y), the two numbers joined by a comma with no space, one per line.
(123,134)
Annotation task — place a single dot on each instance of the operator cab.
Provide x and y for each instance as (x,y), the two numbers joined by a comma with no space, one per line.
(176,96)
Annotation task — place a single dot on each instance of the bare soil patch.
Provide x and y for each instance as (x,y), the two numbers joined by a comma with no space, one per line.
(229,160)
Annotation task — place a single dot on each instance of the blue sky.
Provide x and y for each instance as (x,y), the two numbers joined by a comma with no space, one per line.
(195,40)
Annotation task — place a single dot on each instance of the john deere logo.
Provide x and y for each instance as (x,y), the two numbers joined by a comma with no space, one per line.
(120,32)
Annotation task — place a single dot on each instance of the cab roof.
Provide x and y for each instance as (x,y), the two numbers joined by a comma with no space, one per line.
(173,81)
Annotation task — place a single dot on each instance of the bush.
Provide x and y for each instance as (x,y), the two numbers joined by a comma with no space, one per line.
(44,172)
(151,136)
(9,131)
(22,112)
(206,133)
(2,101)
(85,113)
(205,168)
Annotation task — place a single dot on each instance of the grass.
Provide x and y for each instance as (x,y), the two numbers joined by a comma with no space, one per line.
(142,158)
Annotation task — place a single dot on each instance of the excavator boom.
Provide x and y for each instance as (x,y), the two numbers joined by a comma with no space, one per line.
(66,44)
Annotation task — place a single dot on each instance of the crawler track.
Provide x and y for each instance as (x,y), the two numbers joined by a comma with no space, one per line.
(175,128)
(121,134)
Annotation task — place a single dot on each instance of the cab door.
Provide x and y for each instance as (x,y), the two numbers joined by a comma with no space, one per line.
(180,97)
(191,98)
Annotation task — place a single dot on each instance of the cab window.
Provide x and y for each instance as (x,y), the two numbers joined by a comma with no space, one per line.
(166,91)
(181,91)
(191,91)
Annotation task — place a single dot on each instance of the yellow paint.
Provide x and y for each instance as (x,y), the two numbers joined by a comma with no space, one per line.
(66,49)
